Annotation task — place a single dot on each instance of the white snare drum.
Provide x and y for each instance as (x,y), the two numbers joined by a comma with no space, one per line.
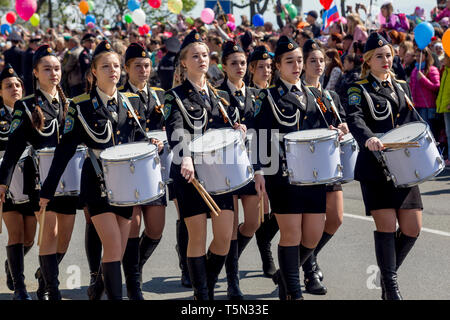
(132,174)
(69,184)
(313,157)
(166,156)
(349,153)
(15,189)
(411,166)
(221,161)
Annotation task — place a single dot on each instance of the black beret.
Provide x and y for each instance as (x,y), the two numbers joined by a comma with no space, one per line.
(192,37)
(8,72)
(284,45)
(103,46)
(313,14)
(136,50)
(88,36)
(259,53)
(41,52)
(246,39)
(374,41)
(230,47)
(172,44)
(310,45)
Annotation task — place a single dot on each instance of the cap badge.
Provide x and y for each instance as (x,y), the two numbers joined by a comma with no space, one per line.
(290,46)
(197,36)
(143,53)
(380,43)
(11,71)
(235,48)
(265,55)
(108,46)
(49,50)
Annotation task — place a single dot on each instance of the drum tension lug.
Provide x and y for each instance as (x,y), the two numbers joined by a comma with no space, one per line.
(250,169)
(315,174)
(62,184)
(312,148)
(416,172)
(336,143)
(440,160)
(161,185)
(157,160)
(408,153)
(132,167)
(340,168)
(110,194)
(354,146)
(136,194)
(228,182)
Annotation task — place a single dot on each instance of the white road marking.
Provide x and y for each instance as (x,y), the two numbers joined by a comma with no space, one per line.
(438,232)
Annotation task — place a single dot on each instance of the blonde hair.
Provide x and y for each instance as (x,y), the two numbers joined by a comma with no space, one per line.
(355,21)
(91,80)
(365,70)
(252,69)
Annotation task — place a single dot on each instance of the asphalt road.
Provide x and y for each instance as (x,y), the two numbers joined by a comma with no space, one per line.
(348,261)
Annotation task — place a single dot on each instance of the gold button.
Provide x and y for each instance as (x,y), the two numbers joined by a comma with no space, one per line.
(147,129)
(118,132)
(210,120)
(120,142)
(95,125)
(192,108)
(243,118)
(282,110)
(398,115)
(148,121)
(306,117)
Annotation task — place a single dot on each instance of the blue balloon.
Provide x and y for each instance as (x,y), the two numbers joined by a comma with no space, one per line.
(90,18)
(5,28)
(133,5)
(423,34)
(258,20)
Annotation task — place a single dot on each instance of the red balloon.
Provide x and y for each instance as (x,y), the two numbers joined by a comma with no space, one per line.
(231,18)
(144,29)
(154,3)
(326,4)
(11,17)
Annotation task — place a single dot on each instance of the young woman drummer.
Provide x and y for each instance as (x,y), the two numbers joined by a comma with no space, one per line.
(194,105)
(99,119)
(39,121)
(242,109)
(260,71)
(314,66)
(138,67)
(299,210)
(19,218)
(377,104)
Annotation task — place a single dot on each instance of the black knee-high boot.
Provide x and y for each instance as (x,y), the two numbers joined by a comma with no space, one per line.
(9,279)
(264,235)
(112,278)
(386,260)
(130,263)
(15,255)
(289,274)
(93,248)
(146,247)
(323,241)
(41,292)
(214,264)
(50,273)
(197,273)
(181,248)
(232,270)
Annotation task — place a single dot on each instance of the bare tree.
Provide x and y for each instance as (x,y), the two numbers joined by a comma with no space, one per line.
(255,6)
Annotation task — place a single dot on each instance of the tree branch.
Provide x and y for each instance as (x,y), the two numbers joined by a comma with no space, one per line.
(264,8)
(239,6)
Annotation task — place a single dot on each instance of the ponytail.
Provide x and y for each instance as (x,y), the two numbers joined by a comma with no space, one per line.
(65,101)
(214,90)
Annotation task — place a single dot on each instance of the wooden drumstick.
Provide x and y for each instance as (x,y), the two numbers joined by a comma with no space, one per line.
(41,224)
(261,209)
(400,145)
(211,200)
(200,191)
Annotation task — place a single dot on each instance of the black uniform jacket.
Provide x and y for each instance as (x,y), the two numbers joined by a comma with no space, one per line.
(22,132)
(363,125)
(88,118)
(5,125)
(332,105)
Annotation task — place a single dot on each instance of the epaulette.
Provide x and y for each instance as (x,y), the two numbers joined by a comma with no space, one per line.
(130,95)
(28,97)
(121,88)
(157,89)
(272,86)
(400,81)
(81,98)
(364,81)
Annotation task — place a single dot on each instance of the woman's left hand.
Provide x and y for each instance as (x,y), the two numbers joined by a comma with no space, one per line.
(158,143)
(344,127)
(242,127)
(340,132)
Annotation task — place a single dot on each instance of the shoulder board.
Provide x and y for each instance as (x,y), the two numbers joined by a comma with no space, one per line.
(364,81)
(157,89)
(400,81)
(272,86)
(130,95)
(81,98)
(28,97)
(121,88)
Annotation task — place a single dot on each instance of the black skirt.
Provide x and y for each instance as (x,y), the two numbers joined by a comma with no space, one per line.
(189,200)
(64,204)
(162,201)
(25,209)
(384,195)
(286,198)
(247,190)
(334,187)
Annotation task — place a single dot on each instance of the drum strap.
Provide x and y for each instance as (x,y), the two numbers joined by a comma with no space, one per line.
(98,171)
(333,106)
(318,107)
(34,159)
(408,100)
(187,116)
(130,108)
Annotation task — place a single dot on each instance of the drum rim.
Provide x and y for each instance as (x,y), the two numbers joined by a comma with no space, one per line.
(352,140)
(140,157)
(220,192)
(310,183)
(166,141)
(412,184)
(420,136)
(51,150)
(333,135)
(138,203)
(215,150)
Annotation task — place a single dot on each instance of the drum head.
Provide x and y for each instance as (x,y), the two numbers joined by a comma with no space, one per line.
(214,140)
(157,134)
(313,134)
(127,151)
(405,133)
(347,138)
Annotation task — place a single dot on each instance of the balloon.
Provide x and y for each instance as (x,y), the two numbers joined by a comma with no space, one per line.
(292,10)
(446,42)
(154,3)
(326,4)
(138,17)
(231,25)
(175,6)
(258,20)
(91,25)
(84,7)
(91,5)
(35,19)
(423,34)
(90,18)
(133,5)
(207,15)
(5,28)
(231,18)
(11,17)
(128,18)
(26,8)
(189,20)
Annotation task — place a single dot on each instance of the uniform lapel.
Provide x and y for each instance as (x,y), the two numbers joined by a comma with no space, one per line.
(194,96)
(99,107)
(122,110)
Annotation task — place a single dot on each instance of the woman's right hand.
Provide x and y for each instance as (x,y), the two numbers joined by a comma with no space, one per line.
(3,189)
(374,144)
(187,169)
(260,185)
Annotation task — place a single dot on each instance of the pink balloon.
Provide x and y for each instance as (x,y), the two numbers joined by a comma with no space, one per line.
(231,25)
(26,8)
(91,25)
(231,18)
(207,15)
